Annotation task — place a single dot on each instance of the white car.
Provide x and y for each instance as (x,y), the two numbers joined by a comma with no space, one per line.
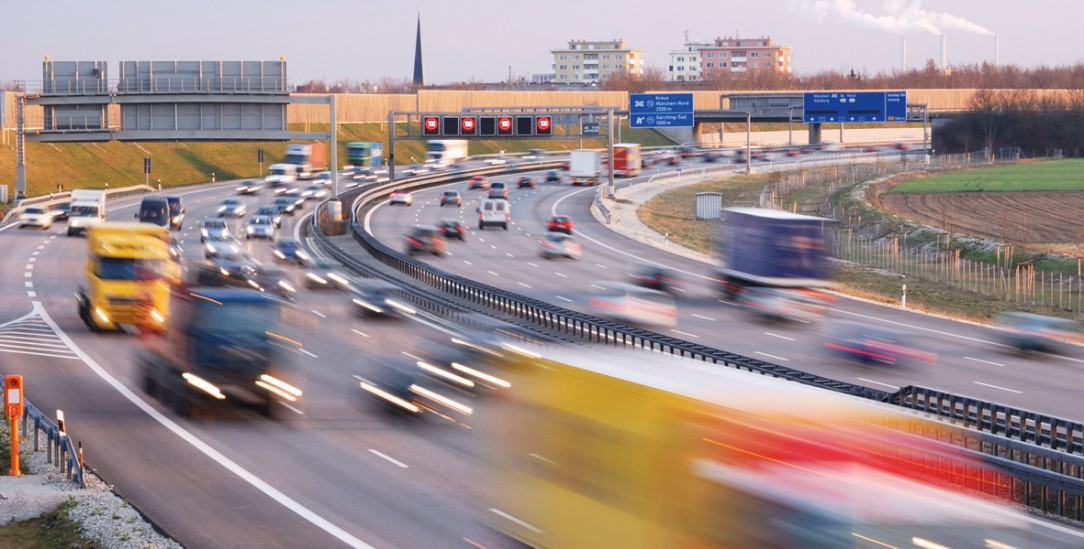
(322,179)
(314,192)
(37,216)
(232,207)
(260,226)
(401,197)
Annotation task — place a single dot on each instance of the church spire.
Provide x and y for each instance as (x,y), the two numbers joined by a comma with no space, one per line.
(419,73)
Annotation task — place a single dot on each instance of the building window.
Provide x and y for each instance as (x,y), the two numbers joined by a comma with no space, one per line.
(575,67)
(606,57)
(563,57)
(681,59)
(722,54)
(563,77)
(722,65)
(711,55)
(767,64)
(619,67)
(752,54)
(620,56)
(711,65)
(681,69)
(564,67)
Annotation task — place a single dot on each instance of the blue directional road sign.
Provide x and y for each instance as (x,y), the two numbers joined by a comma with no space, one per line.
(855,106)
(660,110)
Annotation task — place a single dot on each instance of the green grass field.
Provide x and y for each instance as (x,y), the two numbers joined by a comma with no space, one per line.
(1049,175)
(92,165)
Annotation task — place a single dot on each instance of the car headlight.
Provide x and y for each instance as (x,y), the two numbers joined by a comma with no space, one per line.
(210,249)
(280,255)
(203,232)
(250,229)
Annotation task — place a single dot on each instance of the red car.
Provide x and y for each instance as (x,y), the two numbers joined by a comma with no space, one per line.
(560,224)
(525,182)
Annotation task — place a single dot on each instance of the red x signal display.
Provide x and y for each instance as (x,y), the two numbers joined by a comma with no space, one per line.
(431,125)
(519,125)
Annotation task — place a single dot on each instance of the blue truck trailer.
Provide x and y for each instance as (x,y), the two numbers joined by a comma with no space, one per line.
(770,256)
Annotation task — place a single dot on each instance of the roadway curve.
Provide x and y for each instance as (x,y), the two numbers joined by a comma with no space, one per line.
(970,361)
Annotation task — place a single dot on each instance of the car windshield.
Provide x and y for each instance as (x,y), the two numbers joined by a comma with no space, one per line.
(256,317)
(34,210)
(215,224)
(231,202)
(266,211)
(153,215)
(288,245)
(117,268)
(84,211)
(219,236)
(261,220)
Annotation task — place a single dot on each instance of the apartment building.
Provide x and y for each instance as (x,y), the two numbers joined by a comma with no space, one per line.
(685,63)
(587,62)
(735,55)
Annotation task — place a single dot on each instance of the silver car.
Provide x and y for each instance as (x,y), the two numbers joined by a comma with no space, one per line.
(260,226)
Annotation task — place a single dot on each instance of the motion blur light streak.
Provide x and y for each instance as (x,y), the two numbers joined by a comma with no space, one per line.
(462,408)
(203,385)
(871,540)
(445,374)
(389,397)
(481,375)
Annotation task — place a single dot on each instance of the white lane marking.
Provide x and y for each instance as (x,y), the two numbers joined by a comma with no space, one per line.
(31,294)
(29,284)
(702,317)
(983,361)
(198,444)
(306,352)
(30,266)
(601,266)
(494,246)
(52,237)
(597,287)
(362,334)
(779,336)
(563,298)
(389,458)
(27,274)
(508,254)
(318,313)
(292,409)
(524,284)
(996,387)
(687,334)
(41,247)
(682,290)
(562,275)
(516,520)
(33,259)
(877,383)
(467,262)
(531,264)
(36,253)
(493,273)
(772,356)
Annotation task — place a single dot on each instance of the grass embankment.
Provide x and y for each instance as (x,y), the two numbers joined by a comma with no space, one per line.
(1062,175)
(50,530)
(674,212)
(92,165)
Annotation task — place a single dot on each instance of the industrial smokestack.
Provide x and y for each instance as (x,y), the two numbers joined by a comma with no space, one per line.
(996,52)
(944,55)
(903,53)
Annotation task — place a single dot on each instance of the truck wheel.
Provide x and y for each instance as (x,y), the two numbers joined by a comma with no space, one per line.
(267,408)
(505,226)
(481,225)
(149,385)
(71,232)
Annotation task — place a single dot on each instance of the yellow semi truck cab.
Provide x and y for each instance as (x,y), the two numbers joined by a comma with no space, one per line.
(129,273)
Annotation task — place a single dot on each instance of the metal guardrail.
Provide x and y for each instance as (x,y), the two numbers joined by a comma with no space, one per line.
(1039,453)
(56,198)
(60,450)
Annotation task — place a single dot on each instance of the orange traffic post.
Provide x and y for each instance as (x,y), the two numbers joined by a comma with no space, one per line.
(13,406)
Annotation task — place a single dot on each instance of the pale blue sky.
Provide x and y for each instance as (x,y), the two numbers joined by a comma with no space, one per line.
(482,39)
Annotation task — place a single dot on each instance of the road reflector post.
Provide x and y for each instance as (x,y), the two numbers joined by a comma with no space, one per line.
(13,405)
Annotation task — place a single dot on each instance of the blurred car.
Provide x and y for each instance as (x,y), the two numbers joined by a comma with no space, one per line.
(314,192)
(37,216)
(231,207)
(453,228)
(391,383)
(228,270)
(780,304)
(273,281)
(525,182)
(260,226)
(271,212)
(62,210)
(451,197)
(425,240)
(553,176)
(498,189)
(902,146)
(213,229)
(374,298)
(559,245)
(322,179)
(176,251)
(633,304)
(688,151)
(870,344)
(321,274)
(478,182)
(1031,332)
(869,149)
(655,277)
(713,156)
(560,224)
(565,165)
(223,245)
(400,197)
(295,195)
(290,251)
(285,204)
(250,186)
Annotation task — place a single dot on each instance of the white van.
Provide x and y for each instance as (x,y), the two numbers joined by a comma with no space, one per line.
(494,212)
(280,175)
(633,304)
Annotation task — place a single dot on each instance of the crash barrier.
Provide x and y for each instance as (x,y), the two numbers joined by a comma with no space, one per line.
(60,451)
(602,209)
(53,199)
(1032,449)
(1030,427)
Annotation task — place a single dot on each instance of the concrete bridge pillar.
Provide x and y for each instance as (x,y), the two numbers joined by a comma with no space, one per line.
(814,134)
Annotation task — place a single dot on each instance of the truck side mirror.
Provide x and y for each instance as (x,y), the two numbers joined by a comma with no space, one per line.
(478,210)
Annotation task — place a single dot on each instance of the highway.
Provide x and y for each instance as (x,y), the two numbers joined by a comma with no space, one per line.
(339,471)
(969,359)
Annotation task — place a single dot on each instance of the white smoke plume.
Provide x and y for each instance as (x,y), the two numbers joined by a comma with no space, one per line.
(898,17)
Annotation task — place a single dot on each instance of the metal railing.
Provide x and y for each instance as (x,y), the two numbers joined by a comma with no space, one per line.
(60,451)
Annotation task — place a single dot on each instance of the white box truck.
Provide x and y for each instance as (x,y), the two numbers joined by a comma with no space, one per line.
(87,208)
(442,153)
(585,167)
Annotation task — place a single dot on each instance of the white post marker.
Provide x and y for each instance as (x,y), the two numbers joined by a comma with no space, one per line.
(903,298)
